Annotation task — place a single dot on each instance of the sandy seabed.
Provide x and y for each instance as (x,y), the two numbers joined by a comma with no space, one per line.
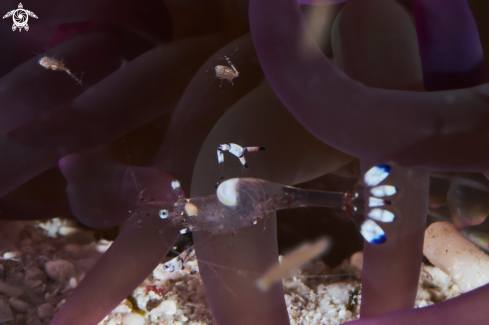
(42,262)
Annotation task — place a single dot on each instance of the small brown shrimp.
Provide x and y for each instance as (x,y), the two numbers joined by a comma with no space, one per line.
(56,65)
(225,72)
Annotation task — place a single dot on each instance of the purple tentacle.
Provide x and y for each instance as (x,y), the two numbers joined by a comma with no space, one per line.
(136,94)
(23,45)
(95,187)
(202,104)
(137,250)
(134,254)
(453,311)
(147,18)
(42,197)
(200,107)
(31,89)
(237,260)
(449,45)
(102,191)
(468,199)
(258,118)
(452,57)
(481,17)
(413,129)
(386,289)
(374,42)
(206,17)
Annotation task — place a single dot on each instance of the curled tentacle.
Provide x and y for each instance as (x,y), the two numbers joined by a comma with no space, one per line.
(416,129)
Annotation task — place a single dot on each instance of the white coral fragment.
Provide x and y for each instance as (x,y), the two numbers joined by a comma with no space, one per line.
(133,319)
(167,307)
(447,249)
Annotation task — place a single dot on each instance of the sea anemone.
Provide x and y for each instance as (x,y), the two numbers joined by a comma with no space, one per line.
(374,84)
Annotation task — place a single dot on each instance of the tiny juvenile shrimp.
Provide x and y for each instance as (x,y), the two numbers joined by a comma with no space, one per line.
(56,65)
(180,263)
(235,150)
(227,73)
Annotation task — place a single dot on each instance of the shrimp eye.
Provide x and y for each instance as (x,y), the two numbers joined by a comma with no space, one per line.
(165,266)
(163,214)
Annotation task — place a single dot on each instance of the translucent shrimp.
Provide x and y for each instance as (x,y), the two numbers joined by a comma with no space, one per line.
(242,202)
(56,65)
